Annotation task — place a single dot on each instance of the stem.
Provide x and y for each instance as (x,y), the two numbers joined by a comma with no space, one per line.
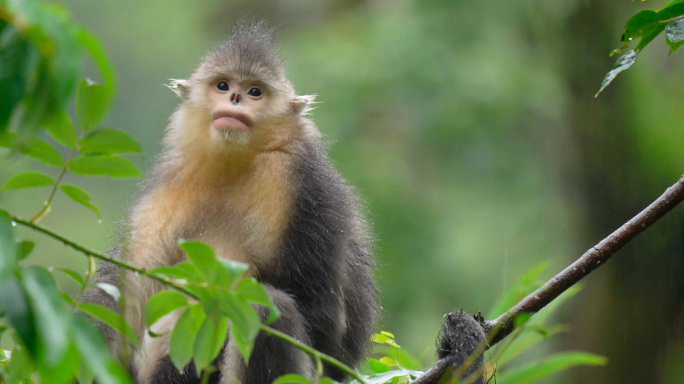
(671,19)
(319,369)
(101,256)
(318,355)
(206,374)
(90,272)
(46,209)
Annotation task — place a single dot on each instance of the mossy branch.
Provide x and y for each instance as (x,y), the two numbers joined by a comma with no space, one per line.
(593,258)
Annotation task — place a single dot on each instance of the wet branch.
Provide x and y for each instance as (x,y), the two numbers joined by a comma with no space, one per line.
(593,258)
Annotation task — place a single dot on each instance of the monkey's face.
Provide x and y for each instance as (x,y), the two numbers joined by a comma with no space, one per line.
(237,106)
(225,108)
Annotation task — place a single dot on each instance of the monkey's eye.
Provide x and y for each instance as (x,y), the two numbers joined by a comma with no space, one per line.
(222,86)
(254,92)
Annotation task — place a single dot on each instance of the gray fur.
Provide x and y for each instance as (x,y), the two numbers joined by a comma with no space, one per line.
(251,50)
(326,263)
(459,337)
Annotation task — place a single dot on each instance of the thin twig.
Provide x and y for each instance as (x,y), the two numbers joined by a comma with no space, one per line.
(328,359)
(101,256)
(46,208)
(595,257)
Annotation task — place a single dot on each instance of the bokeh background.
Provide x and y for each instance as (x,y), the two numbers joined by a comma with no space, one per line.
(471,131)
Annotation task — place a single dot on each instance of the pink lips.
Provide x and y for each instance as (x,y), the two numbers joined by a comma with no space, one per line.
(231,120)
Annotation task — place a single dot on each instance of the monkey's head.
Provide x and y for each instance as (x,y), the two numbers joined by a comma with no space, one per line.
(240,94)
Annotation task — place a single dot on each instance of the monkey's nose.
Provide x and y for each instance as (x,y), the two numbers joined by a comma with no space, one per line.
(235,98)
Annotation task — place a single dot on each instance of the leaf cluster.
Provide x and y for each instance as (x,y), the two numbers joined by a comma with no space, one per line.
(224,297)
(645,26)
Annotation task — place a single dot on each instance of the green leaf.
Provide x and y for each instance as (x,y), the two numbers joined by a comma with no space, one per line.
(16,309)
(234,269)
(388,334)
(92,103)
(25,248)
(184,334)
(526,341)
(61,129)
(549,366)
(525,285)
(407,360)
(521,319)
(15,56)
(383,339)
(80,196)
(27,180)
(545,313)
(7,139)
(181,271)
(638,24)
(673,2)
(112,166)
(291,378)
(202,257)
(375,366)
(210,339)
(94,352)
(52,61)
(250,290)
(73,274)
(111,318)
(42,152)
(244,322)
(385,377)
(108,141)
(99,55)
(163,303)
(20,367)
(8,246)
(671,10)
(51,320)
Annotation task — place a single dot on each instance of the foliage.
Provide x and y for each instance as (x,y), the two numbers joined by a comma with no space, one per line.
(396,365)
(41,49)
(646,26)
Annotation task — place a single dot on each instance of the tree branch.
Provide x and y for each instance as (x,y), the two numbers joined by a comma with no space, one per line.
(593,258)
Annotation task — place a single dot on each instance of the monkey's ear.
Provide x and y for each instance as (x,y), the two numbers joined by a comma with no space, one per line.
(180,87)
(302,105)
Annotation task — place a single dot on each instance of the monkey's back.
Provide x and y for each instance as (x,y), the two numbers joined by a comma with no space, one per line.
(325,261)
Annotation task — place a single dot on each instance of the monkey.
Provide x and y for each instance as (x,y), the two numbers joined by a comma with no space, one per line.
(244,169)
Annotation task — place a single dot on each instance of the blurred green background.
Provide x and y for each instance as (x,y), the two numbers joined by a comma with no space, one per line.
(471,132)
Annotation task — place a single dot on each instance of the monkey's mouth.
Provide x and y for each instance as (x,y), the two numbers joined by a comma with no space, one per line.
(231,120)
